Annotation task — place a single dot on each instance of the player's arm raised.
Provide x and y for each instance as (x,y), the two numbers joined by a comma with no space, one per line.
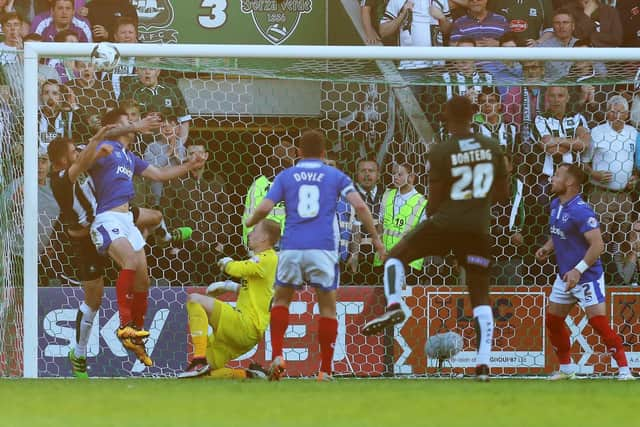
(170,172)
(596,247)
(90,154)
(260,213)
(364,215)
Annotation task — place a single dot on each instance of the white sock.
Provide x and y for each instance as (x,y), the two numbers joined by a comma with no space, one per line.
(162,226)
(624,370)
(567,369)
(484,333)
(393,280)
(85,318)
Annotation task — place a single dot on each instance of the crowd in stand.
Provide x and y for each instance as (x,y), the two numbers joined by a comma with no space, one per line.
(582,120)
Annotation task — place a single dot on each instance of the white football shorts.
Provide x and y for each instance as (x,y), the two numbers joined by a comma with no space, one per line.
(109,226)
(586,294)
(314,267)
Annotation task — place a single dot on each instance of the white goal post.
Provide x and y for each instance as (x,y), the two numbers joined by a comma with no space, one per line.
(34,51)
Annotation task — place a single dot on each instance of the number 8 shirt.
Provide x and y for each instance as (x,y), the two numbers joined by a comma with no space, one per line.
(310,191)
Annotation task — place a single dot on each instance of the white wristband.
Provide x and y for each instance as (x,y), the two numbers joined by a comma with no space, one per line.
(581,266)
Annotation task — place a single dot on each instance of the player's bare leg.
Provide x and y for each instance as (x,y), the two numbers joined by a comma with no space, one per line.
(327,332)
(560,340)
(598,321)
(151,221)
(279,323)
(478,285)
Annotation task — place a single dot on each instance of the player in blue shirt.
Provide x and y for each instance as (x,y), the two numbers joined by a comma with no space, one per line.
(309,245)
(113,230)
(577,242)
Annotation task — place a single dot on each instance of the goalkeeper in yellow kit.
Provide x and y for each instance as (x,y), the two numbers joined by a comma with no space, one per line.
(235,330)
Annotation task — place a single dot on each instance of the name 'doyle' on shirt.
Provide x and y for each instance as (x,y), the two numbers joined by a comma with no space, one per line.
(308,176)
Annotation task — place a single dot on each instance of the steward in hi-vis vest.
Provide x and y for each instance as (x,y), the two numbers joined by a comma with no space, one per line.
(256,193)
(402,208)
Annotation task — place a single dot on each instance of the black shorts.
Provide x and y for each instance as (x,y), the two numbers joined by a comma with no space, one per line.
(472,250)
(89,263)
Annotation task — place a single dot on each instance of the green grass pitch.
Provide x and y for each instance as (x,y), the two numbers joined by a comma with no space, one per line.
(301,403)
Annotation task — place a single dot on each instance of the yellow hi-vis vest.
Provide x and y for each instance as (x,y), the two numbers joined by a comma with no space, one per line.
(255,195)
(396,226)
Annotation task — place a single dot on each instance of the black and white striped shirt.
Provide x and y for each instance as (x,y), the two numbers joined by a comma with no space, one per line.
(77,200)
(546,124)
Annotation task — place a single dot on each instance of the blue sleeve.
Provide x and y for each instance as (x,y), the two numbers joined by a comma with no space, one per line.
(587,221)
(345,184)
(276,192)
(139,165)
(101,161)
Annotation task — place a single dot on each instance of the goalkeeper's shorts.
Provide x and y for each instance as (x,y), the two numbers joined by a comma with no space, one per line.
(235,335)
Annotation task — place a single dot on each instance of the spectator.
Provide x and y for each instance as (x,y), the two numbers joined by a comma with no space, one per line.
(417,24)
(103,14)
(480,24)
(47,206)
(532,97)
(507,232)
(598,23)
(168,150)
(589,97)
(506,74)
(506,71)
(64,67)
(12,27)
(202,203)
(465,78)
(62,17)
(93,96)
(609,161)
(563,36)
(582,71)
(56,116)
(629,13)
(89,91)
(528,19)
(561,135)
(125,31)
(489,123)
(462,79)
(361,249)
(402,208)
(371,12)
(153,95)
(6,7)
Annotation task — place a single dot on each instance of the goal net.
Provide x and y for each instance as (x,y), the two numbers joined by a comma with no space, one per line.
(247,107)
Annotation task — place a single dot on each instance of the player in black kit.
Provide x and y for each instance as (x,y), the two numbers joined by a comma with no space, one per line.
(467,174)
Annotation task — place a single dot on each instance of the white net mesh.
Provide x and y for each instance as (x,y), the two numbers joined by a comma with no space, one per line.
(11,151)
(248,114)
